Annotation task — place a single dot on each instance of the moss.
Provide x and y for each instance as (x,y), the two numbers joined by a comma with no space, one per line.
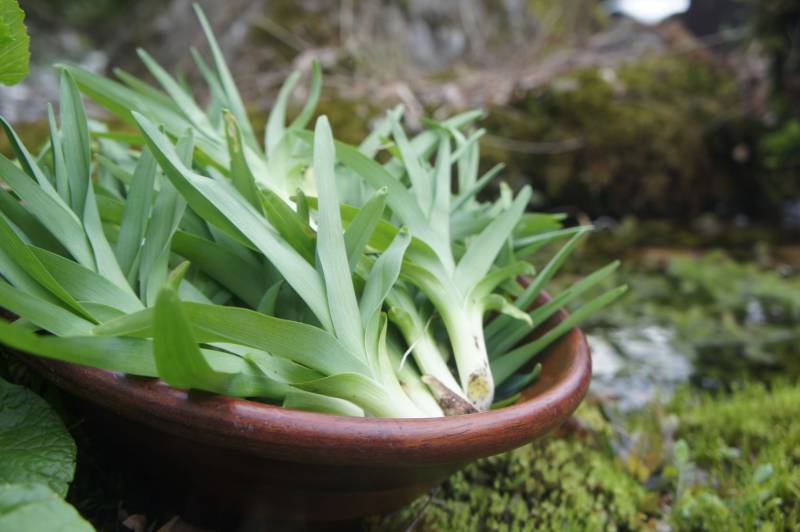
(748,445)
(556,484)
(654,137)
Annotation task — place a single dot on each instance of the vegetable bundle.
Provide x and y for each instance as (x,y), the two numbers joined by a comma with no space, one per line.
(365,280)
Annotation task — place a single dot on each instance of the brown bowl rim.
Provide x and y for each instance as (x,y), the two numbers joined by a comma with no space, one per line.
(281,433)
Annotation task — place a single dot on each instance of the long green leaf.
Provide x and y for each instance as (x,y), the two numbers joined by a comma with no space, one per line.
(88,286)
(126,355)
(483,250)
(383,276)
(241,176)
(53,213)
(50,317)
(22,255)
(77,149)
(331,251)
(214,202)
(497,327)
(314,402)
(505,366)
(137,211)
(244,278)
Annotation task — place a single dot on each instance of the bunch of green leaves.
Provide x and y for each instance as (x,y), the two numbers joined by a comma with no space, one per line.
(37,467)
(301,271)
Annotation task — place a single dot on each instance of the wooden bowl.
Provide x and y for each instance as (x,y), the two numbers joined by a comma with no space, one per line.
(268,463)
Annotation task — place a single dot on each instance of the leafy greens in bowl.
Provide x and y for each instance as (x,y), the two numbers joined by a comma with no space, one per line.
(301,270)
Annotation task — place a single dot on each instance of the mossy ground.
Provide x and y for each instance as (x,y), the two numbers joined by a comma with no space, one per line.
(729,462)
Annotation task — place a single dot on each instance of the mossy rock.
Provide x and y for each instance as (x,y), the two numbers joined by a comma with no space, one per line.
(662,136)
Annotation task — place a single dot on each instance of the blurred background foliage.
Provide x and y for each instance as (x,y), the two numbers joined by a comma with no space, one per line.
(679,139)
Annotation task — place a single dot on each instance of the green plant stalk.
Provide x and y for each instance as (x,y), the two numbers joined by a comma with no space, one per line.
(404,314)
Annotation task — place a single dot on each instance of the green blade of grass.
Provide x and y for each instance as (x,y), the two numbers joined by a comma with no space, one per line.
(43,314)
(331,251)
(302,119)
(53,213)
(16,250)
(382,277)
(362,226)
(217,205)
(226,80)
(289,224)
(483,250)
(133,356)
(505,366)
(240,173)
(59,164)
(77,149)
(133,226)
(276,122)
(314,402)
(243,278)
(496,328)
(86,285)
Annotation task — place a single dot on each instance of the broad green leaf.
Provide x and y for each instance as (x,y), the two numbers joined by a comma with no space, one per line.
(362,391)
(34,444)
(178,358)
(14,43)
(331,251)
(104,256)
(164,220)
(36,508)
(300,342)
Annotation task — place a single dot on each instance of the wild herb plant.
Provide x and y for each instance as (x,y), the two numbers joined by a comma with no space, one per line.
(300,271)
